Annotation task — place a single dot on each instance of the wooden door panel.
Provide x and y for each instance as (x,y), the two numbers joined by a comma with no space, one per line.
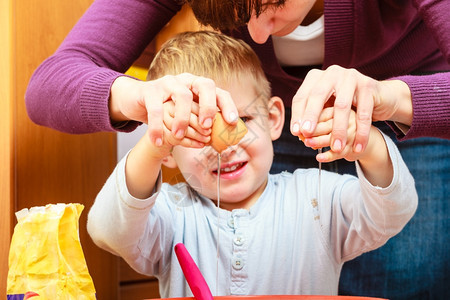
(50,166)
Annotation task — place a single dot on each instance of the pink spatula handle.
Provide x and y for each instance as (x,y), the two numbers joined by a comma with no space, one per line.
(193,276)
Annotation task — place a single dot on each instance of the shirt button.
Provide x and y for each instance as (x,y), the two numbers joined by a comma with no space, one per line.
(237,263)
(231,222)
(239,240)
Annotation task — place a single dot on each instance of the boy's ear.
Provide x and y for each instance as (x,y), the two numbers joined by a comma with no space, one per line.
(169,161)
(276,117)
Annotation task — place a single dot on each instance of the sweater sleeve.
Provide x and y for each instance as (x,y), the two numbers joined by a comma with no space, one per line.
(70,90)
(435,14)
(431,106)
(431,93)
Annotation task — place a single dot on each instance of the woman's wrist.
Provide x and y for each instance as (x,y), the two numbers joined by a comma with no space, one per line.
(399,94)
(122,83)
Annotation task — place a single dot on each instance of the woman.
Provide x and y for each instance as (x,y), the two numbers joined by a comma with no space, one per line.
(358,47)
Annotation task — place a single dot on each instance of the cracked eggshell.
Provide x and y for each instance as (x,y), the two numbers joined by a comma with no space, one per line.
(224,135)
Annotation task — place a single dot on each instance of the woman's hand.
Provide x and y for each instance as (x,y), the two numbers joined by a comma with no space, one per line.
(132,99)
(374,160)
(321,137)
(195,135)
(345,89)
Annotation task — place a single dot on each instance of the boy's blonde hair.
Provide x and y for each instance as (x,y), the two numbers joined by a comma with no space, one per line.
(212,55)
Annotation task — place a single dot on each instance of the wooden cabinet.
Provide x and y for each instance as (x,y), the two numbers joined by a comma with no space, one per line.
(39,165)
(6,141)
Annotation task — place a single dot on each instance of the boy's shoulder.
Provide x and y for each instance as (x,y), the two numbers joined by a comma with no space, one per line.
(180,195)
(286,175)
(308,177)
(287,178)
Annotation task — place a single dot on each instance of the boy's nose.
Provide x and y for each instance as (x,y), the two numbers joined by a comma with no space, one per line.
(230,150)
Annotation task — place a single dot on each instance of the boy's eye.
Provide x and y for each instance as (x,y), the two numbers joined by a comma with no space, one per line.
(245,119)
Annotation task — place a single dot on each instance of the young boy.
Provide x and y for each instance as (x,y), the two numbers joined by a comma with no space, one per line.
(277,233)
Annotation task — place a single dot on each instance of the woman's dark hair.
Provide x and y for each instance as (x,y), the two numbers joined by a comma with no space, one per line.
(229,14)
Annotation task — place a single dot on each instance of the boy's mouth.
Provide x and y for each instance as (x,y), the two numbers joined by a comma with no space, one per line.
(230,168)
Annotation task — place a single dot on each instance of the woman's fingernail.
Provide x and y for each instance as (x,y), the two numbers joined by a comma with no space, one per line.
(179,134)
(306,126)
(337,145)
(232,116)
(358,148)
(296,128)
(158,142)
(320,156)
(207,123)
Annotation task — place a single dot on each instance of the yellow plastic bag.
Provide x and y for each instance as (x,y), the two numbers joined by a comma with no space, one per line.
(45,256)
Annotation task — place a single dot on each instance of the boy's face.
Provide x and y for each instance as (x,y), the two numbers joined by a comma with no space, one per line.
(245,166)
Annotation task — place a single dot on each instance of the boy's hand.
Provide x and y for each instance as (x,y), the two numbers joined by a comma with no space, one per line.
(374,159)
(195,135)
(322,138)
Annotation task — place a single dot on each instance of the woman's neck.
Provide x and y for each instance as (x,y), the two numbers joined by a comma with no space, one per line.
(315,13)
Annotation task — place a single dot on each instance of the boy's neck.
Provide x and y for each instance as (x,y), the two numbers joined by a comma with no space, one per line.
(245,203)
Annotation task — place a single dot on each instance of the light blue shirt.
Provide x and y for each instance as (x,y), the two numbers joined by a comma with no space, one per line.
(287,243)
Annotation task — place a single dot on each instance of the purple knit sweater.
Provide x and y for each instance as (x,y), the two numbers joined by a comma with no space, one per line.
(382,39)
